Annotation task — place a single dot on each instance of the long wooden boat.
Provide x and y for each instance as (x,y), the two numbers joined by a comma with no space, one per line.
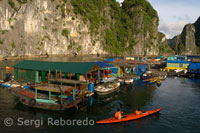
(53,100)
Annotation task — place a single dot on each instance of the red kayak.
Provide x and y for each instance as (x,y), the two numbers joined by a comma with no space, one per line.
(128,117)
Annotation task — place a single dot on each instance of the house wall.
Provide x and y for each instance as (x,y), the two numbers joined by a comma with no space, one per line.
(24,76)
(178,65)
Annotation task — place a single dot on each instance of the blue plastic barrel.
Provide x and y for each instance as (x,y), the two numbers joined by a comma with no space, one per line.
(91,87)
(70,98)
(134,79)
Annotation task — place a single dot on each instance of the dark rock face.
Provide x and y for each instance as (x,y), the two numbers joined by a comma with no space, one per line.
(188,41)
(197,33)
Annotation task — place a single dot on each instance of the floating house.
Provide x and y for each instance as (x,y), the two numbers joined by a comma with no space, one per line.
(54,85)
(175,58)
(178,64)
(43,72)
(103,73)
(132,66)
(37,71)
(194,58)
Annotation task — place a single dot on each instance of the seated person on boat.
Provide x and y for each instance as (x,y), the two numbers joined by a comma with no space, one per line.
(118,114)
(138,112)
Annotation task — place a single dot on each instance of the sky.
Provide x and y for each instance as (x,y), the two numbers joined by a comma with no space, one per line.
(175,14)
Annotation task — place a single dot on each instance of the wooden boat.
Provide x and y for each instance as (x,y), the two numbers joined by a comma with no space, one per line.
(163,77)
(53,98)
(128,81)
(10,84)
(151,80)
(120,80)
(107,89)
(102,90)
(6,84)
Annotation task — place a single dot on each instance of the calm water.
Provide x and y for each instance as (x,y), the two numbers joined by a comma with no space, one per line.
(178,97)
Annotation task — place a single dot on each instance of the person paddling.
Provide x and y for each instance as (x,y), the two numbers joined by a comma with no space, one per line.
(138,112)
(118,114)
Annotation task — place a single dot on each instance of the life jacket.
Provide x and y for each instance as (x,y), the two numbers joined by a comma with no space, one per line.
(117,114)
(138,112)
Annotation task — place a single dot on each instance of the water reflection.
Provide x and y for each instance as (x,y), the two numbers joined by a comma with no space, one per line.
(195,85)
(128,98)
(179,99)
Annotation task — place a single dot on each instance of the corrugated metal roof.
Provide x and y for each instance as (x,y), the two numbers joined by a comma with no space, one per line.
(66,67)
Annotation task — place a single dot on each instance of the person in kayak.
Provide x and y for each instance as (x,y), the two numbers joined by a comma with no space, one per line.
(138,112)
(118,114)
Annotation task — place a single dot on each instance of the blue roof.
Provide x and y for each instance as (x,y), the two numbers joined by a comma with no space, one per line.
(193,66)
(102,64)
(158,57)
(177,61)
(109,59)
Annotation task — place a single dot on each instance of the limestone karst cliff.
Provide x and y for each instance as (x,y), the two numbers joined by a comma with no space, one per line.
(61,27)
(187,43)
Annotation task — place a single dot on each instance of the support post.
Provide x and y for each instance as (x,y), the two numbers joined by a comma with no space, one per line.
(49,95)
(84,88)
(49,76)
(98,76)
(86,80)
(61,97)
(35,93)
(56,74)
(103,74)
(74,98)
(60,74)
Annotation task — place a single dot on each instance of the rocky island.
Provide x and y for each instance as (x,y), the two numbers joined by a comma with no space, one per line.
(66,27)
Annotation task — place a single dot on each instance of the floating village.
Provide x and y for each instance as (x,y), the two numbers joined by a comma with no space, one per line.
(63,85)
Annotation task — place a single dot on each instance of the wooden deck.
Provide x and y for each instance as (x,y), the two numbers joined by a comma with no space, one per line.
(67,81)
(54,88)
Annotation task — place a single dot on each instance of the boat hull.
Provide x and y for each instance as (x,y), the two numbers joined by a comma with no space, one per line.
(128,117)
(47,106)
(102,90)
(106,92)
(30,101)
